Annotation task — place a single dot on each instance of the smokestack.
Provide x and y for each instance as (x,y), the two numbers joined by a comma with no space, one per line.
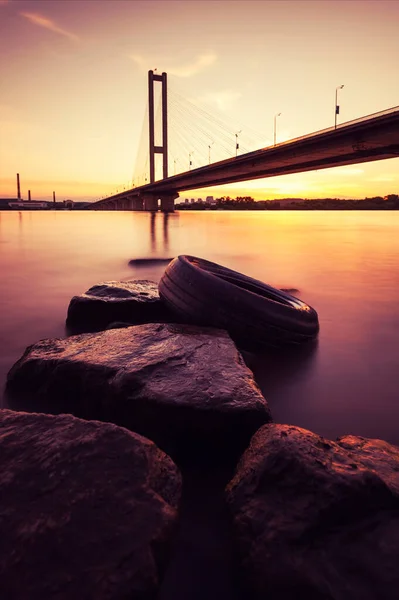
(18,188)
(54,197)
(29,195)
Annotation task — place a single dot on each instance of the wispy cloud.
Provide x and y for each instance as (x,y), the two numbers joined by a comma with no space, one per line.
(203,61)
(140,61)
(224,99)
(188,70)
(48,24)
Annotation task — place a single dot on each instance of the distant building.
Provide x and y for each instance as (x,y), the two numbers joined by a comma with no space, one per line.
(192,200)
(186,201)
(199,200)
(20,204)
(210,200)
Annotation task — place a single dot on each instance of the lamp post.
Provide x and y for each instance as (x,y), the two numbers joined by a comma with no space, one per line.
(237,144)
(275,122)
(339,87)
(174,162)
(190,162)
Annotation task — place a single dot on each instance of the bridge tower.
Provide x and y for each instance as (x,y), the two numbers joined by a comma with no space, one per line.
(153,148)
(150,201)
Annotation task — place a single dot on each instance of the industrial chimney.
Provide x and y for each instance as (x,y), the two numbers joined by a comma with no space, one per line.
(18,188)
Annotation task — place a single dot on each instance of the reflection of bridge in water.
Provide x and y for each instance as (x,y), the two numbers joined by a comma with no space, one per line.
(165,232)
(375,137)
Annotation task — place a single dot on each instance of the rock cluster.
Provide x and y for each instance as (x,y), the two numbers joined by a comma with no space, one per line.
(89,507)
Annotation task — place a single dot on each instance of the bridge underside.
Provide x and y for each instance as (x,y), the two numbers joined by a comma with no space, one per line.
(370,139)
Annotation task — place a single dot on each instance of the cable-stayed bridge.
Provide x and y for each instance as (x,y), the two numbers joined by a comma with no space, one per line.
(374,137)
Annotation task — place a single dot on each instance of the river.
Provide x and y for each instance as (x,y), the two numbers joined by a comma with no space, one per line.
(345,264)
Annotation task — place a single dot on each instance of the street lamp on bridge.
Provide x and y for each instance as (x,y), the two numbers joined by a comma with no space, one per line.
(174,162)
(237,144)
(275,123)
(339,87)
(190,162)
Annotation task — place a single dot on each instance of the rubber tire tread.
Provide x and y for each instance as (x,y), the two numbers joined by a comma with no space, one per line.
(248,335)
(208,284)
(216,296)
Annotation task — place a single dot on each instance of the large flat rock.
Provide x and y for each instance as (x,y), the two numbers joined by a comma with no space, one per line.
(133,302)
(180,386)
(316,519)
(87,510)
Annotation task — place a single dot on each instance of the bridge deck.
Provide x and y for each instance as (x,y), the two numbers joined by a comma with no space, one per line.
(375,137)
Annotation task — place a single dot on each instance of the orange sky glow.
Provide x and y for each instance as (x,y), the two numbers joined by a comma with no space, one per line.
(74,88)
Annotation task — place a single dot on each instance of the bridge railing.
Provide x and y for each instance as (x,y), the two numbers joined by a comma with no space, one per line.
(387,111)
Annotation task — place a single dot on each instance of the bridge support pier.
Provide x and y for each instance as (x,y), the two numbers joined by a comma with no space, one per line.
(168,202)
(135,203)
(110,205)
(150,202)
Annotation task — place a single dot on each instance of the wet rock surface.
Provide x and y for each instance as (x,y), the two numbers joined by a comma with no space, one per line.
(87,510)
(186,388)
(134,302)
(316,519)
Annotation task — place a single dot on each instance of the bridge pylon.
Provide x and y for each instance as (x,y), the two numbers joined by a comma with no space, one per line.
(153,148)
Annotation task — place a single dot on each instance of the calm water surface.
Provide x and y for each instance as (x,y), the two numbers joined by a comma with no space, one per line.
(344,264)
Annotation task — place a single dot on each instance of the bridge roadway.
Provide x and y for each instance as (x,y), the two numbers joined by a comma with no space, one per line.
(375,137)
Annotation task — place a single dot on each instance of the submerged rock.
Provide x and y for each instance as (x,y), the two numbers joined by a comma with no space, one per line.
(87,510)
(149,262)
(181,386)
(316,519)
(134,302)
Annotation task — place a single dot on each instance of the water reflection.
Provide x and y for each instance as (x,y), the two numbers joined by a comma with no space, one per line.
(20,227)
(274,368)
(155,226)
(165,231)
(153,233)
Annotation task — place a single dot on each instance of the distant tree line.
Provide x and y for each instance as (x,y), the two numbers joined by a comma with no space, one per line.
(390,202)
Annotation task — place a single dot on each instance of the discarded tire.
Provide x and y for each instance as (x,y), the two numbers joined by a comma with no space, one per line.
(255,314)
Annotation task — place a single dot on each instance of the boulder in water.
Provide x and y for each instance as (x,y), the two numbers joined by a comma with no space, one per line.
(316,519)
(149,262)
(88,510)
(134,302)
(181,386)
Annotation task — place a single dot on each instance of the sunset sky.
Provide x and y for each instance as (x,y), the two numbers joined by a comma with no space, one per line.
(73,88)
